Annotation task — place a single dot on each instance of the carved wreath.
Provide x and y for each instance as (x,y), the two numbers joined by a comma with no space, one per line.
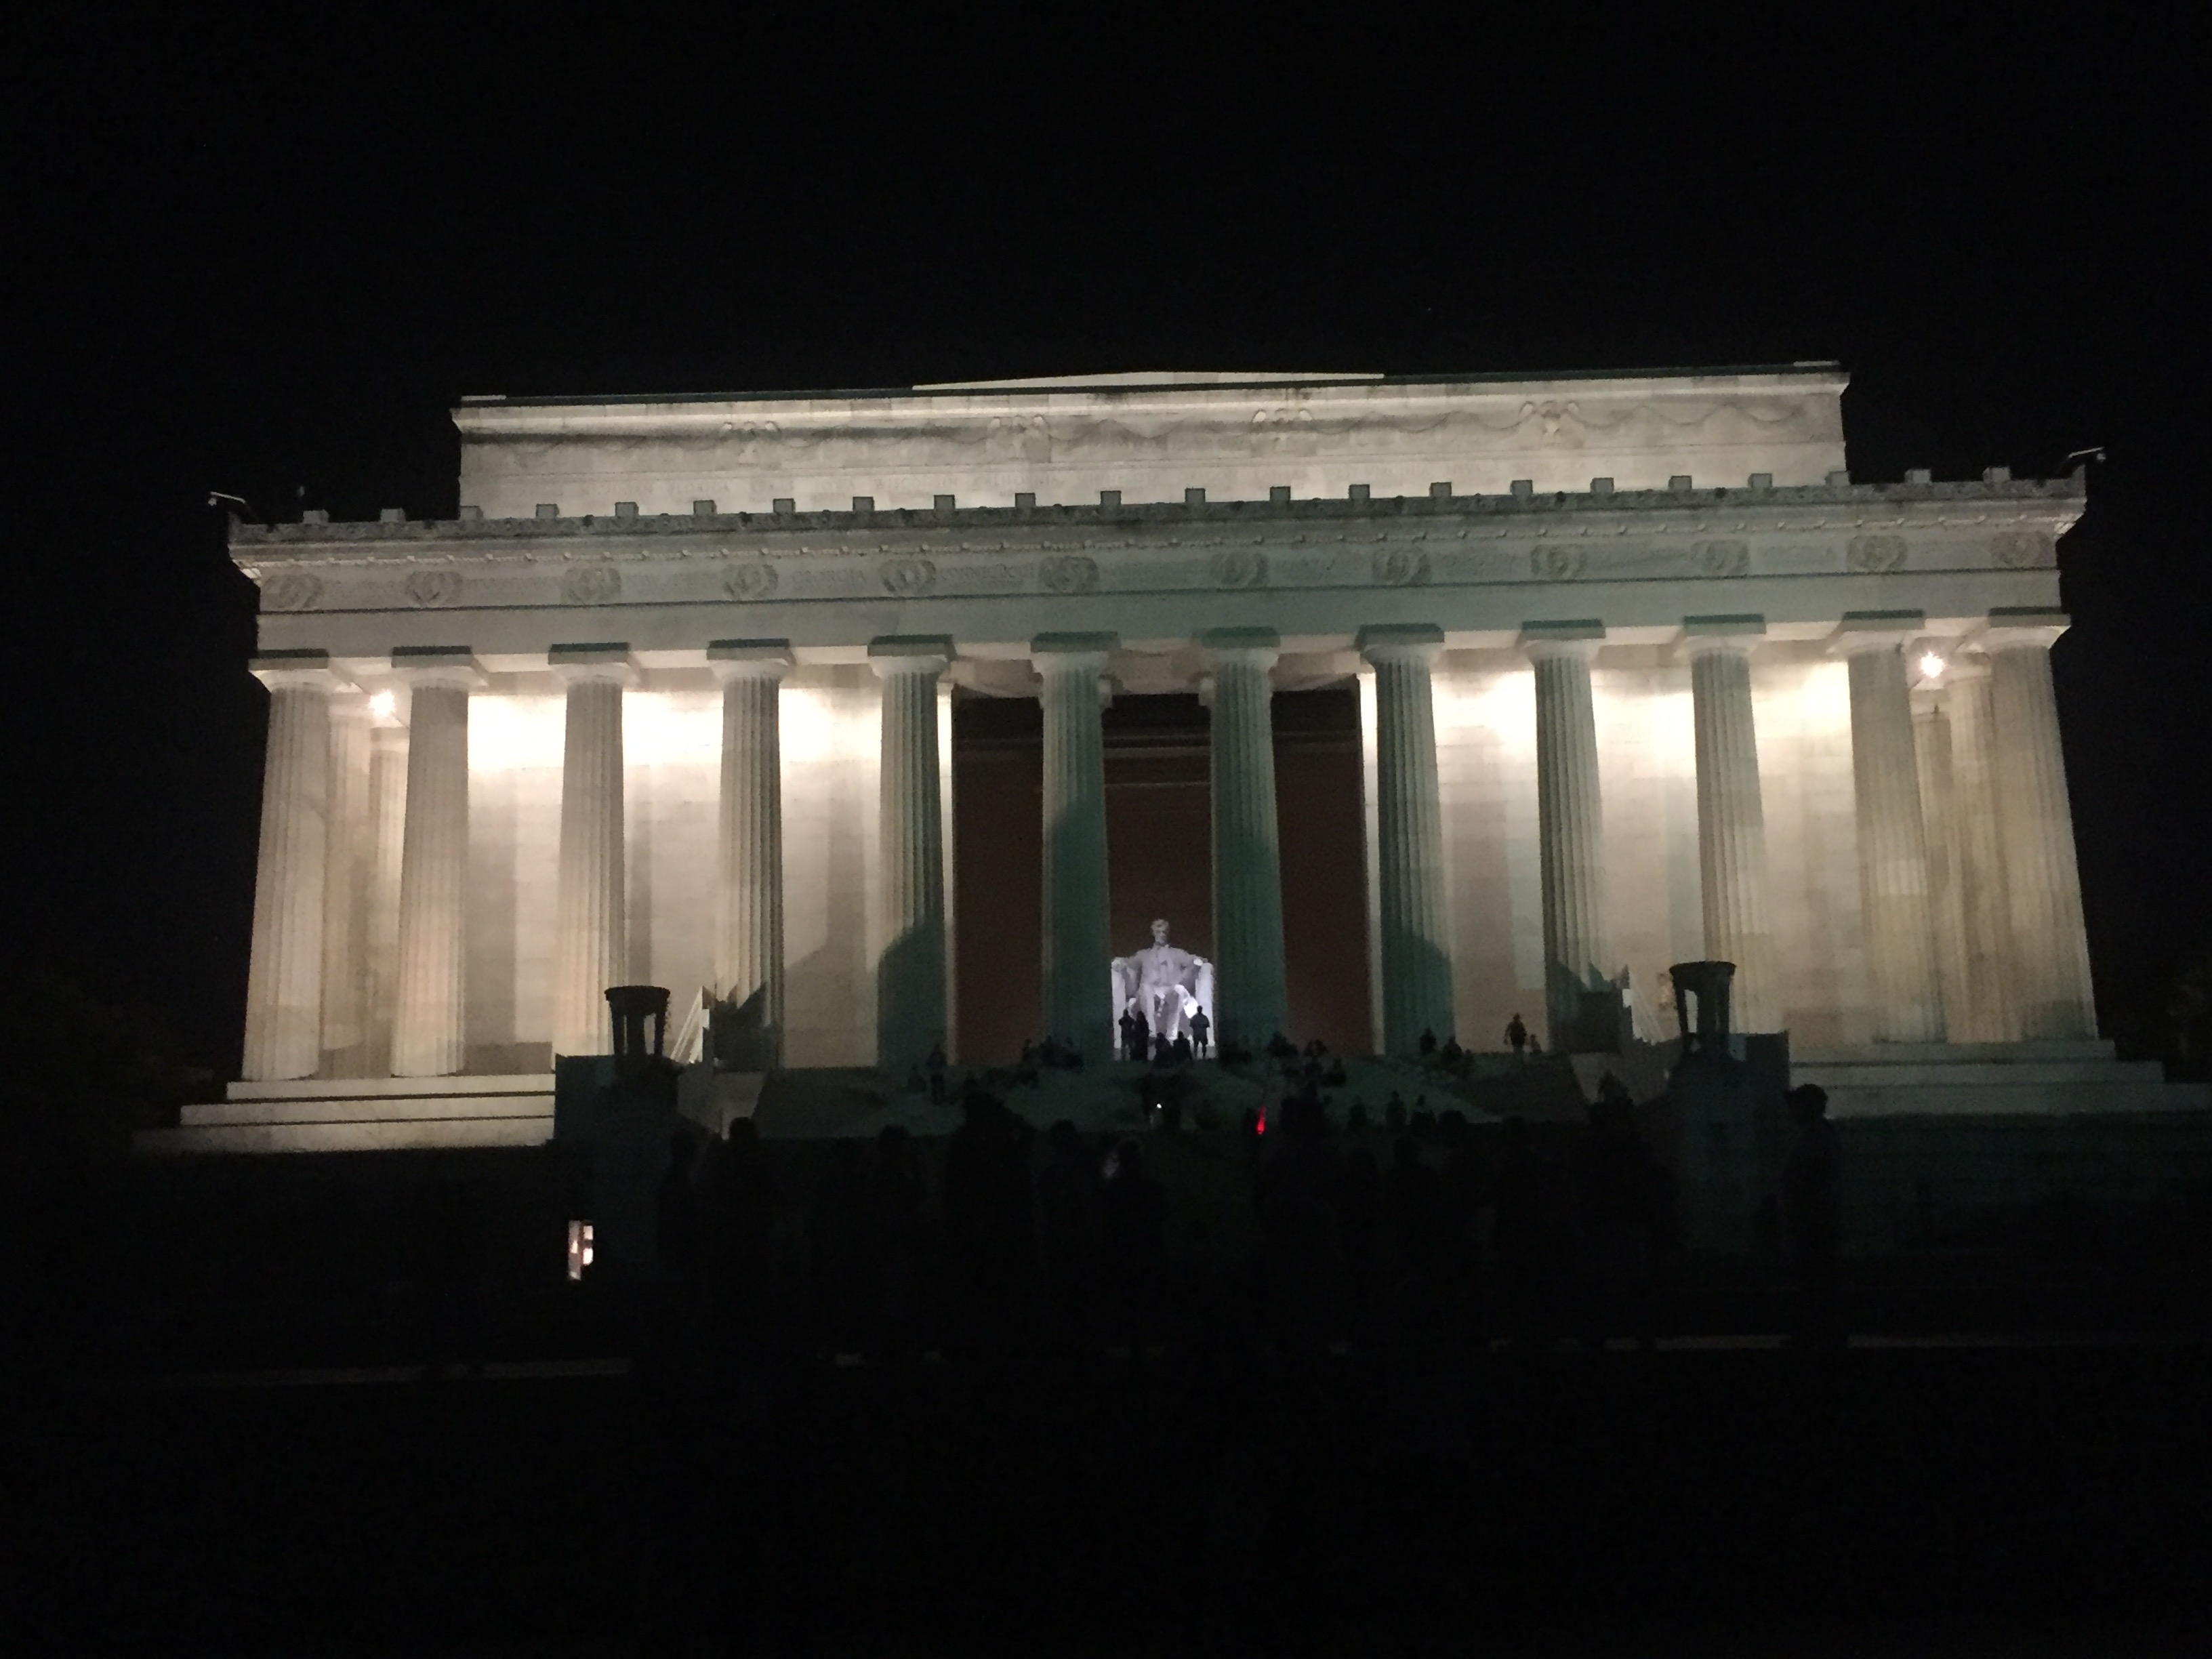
(755,579)
(1401,567)
(1720,558)
(291,590)
(1238,568)
(905,579)
(1876,554)
(1068,573)
(433,587)
(2018,549)
(592,584)
(1556,562)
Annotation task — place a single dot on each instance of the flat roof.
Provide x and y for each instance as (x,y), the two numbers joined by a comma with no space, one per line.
(1168,380)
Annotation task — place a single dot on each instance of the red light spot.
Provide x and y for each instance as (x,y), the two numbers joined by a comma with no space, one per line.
(1263,1123)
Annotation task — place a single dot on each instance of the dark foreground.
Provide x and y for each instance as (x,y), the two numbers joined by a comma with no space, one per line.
(2050,1500)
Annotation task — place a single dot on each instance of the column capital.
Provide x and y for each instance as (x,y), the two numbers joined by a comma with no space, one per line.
(592,664)
(1073,652)
(750,660)
(1876,630)
(1253,648)
(1413,642)
(910,653)
(2013,627)
(1734,634)
(298,671)
(453,666)
(1550,640)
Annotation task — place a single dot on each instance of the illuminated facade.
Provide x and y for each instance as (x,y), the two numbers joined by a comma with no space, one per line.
(1644,677)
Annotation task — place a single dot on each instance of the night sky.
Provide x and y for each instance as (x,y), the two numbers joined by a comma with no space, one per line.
(269,264)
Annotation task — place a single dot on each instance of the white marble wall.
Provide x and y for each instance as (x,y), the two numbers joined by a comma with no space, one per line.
(672,741)
(1486,762)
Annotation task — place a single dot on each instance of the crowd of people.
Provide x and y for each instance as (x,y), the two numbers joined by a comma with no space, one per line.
(1420,1230)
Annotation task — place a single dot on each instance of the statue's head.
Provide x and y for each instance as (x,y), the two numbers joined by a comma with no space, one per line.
(1159,932)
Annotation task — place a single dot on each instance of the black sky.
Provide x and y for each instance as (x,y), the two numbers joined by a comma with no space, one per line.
(268,263)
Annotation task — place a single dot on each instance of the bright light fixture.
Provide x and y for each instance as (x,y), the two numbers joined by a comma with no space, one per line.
(1931,666)
(382,705)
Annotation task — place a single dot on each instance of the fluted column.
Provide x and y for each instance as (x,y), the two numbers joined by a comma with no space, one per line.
(345,893)
(1570,820)
(1250,1005)
(430,993)
(284,978)
(1416,936)
(1732,816)
(1892,847)
(1371,782)
(949,826)
(591,932)
(2051,949)
(1991,1013)
(1077,977)
(1939,820)
(749,864)
(910,978)
(387,813)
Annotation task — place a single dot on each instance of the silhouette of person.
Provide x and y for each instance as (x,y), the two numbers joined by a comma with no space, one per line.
(1517,1037)
(1201,1029)
(1134,1227)
(1523,1234)
(1428,1042)
(1181,1048)
(675,1221)
(1812,1218)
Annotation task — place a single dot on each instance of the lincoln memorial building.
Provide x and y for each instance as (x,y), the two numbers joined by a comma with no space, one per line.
(1637,674)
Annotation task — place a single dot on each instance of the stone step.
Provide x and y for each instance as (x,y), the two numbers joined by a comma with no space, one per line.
(2016,1099)
(375,1109)
(1974,1074)
(377,1088)
(360,1136)
(1946,1053)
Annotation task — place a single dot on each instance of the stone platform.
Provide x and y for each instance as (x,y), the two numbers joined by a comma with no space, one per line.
(2075,1077)
(361,1114)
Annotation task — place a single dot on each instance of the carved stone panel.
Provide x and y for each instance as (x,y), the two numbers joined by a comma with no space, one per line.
(755,579)
(2020,549)
(592,584)
(1237,567)
(907,579)
(1720,558)
(291,590)
(431,588)
(1556,562)
(1874,556)
(1401,567)
(1068,573)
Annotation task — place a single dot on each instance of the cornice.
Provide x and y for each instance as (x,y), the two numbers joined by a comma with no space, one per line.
(2052,505)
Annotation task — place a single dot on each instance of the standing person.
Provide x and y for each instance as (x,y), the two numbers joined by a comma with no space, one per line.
(1517,1037)
(1812,1218)
(1201,1027)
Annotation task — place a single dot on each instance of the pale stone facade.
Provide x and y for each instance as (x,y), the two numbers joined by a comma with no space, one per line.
(1638,666)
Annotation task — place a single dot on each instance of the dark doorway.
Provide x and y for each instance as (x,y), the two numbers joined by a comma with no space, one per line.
(1159,854)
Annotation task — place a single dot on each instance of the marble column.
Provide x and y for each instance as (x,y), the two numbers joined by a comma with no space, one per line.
(591,931)
(350,851)
(1939,821)
(1990,1014)
(749,864)
(284,977)
(1078,965)
(949,822)
(1892,845)
(1570,821)
(910,977)
(2051,949)
(1250,1003)
(387,813)
(1732,816)
(429,992)
(1416,988)
(1371,771)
